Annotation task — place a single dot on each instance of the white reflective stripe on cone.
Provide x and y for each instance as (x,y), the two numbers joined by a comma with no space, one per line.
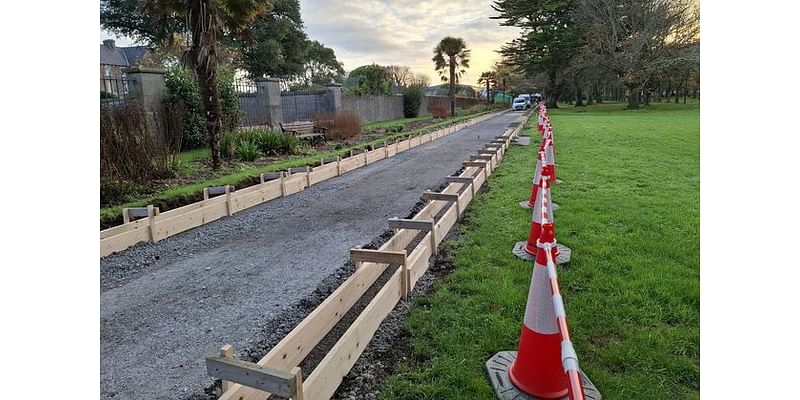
(540,315)
(537,173)
(542,196)
(548,154)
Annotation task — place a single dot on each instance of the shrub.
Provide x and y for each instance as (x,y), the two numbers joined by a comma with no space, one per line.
(181,88)
(107,95)
(396,128)
(412,100)
(227,144)
(275,142)
(439,110)
(264,141)
(129,150)
(229,100)
(247,151)
(341,125)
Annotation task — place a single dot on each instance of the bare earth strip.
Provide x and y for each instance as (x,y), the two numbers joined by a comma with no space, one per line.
(165,306)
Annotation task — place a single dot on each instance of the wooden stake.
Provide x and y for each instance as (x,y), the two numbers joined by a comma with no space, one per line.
(227,352)
(151,216)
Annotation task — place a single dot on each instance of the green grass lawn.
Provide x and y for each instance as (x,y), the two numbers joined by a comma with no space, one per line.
(392,122)
(630,212)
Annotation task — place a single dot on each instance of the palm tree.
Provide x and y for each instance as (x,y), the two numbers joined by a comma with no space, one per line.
(206,19)
(453,53)
(490,79)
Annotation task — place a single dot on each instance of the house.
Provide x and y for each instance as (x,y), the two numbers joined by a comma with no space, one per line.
(112,60)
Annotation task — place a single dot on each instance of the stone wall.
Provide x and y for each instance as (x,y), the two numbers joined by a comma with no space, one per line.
(373,108)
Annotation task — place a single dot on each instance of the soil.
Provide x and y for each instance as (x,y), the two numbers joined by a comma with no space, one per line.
(249,279)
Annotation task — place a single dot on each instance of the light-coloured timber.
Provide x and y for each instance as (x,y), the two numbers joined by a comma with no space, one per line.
(251,375)
(273,185)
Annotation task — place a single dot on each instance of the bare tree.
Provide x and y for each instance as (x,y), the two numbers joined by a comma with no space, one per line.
(636,39)
(399,74)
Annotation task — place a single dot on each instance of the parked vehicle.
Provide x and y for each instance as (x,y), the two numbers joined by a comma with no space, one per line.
(519,104)
(528,102)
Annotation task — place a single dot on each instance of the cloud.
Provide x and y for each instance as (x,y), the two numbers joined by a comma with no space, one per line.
(405,32)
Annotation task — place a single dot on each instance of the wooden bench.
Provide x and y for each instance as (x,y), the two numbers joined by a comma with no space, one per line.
(304,130)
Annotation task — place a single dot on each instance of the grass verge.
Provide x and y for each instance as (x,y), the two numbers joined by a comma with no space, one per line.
(246,173)
(630,212)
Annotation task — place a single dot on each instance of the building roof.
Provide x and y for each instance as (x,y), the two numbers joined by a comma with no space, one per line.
(123,56)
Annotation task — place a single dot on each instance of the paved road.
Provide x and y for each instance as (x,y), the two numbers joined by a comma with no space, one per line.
(164,306)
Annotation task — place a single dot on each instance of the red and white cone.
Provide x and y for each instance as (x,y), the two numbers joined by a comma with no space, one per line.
(543,208)
(537,370)
(537,176)
(546,365)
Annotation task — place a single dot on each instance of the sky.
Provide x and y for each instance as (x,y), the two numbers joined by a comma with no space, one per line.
(401,32)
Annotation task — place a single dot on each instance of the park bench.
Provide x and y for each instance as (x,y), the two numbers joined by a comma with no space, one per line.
(304,130)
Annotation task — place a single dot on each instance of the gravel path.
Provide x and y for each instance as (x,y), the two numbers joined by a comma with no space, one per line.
(165,306)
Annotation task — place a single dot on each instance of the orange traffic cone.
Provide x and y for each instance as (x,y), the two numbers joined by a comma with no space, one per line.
(537,370)
(543,207)
(537,176)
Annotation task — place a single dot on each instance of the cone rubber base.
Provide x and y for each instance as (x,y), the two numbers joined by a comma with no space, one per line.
(563,257)
(497,368)
(524,204)
(523,141)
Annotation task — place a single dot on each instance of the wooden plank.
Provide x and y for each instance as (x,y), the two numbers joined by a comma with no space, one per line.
(325,379)
(138,232)
(419,225)
(350,163)
(263,192)
(251,374)
(426,225)
(293,348)
(459,179)
(489,153)
(391,150)
(212,210)
(377,256)
(428,195)
(446,222)
(294,184)
(375,155)
(419,259)
(479,164)
(322,173)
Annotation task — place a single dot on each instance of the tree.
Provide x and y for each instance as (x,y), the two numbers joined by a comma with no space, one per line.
(639,39)
(400,75)
(321,67)
(490,80)
(421,80)
(277,45)
(451,53)
(369,79)
(548,41)
(158,21)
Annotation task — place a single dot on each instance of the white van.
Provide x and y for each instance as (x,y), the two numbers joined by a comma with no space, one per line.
(528,101)
(519,104)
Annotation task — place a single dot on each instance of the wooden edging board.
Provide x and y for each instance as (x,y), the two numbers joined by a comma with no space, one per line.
(328,374)
(181,219)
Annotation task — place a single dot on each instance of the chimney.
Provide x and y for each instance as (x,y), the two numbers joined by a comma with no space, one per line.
(109,43)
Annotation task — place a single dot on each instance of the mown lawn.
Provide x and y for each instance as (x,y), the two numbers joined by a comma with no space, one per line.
(630,212)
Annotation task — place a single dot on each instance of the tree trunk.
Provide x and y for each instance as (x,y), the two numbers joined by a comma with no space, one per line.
(647,98)
(452,87)
(553,91)
(488,95)
(633,98)
(203,54)
(579,96)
